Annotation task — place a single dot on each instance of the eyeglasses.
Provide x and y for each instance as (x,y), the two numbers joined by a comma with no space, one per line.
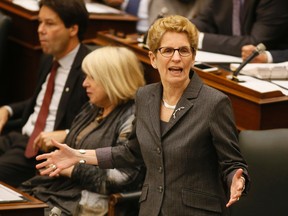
(169,51)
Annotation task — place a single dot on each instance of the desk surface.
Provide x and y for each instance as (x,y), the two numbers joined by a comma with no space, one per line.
(32,206)
(252,109)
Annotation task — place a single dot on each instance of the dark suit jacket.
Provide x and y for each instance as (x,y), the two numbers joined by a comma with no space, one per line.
(191,163)
(279,55)
(264,21)
(72,99)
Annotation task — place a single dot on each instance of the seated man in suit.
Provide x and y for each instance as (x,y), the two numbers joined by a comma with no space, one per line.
(149,10)
(61,27)
(257,22)
(273,56)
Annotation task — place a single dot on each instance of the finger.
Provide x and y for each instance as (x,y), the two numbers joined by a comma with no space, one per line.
(55,172)
(50,168)
(36,142)
(1,127)
(56,144)
(239,173)
(232,201)
(46,171)
(42,164)
(43,156)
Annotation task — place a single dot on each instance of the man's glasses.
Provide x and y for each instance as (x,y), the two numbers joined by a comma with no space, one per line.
(169,51)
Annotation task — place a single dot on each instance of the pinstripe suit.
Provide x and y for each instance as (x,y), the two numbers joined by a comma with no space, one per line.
(190,161)
(264,21)
(279,55)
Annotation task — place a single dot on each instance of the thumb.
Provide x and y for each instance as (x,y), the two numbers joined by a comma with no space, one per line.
(239,173)
(56,144)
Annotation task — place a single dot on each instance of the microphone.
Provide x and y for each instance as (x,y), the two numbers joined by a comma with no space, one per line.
(259,49)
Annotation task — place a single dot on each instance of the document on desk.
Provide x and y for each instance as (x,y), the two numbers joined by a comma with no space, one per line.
(31,5)
(208,57)
(101,8)
(265,71)
(8,195)
(263,86)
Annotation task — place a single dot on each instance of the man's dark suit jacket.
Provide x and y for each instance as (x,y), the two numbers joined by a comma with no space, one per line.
(264,21)
(279,55)
(72,99)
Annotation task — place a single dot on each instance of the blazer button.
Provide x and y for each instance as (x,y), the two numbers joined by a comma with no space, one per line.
(67,89)
(160,189)
(158,150)
(160,169)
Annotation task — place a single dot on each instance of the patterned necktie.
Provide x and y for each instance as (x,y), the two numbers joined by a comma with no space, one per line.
(236,19)
(132,7)
(42,116)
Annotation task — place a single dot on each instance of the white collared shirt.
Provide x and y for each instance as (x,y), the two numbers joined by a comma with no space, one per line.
(60,81)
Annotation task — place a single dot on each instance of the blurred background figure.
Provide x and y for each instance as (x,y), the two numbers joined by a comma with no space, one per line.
(149,10)
(227,25)
(60,30)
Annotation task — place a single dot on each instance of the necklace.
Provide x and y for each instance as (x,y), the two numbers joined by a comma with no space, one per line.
(99,116)
(168,106)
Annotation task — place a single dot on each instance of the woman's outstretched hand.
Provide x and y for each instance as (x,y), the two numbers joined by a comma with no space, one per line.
(237,187)
(54,162)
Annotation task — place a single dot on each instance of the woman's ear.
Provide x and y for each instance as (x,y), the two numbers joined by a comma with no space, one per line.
(152,59)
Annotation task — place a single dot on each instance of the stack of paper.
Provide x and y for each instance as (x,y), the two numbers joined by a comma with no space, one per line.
(92,7)
(265,70)
(8,195)
(31,5)
(101,9)
(263,86)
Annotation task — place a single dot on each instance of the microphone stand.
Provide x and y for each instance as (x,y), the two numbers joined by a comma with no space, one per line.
(259,49)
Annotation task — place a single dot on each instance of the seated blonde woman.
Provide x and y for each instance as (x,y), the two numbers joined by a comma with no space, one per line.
(113,75)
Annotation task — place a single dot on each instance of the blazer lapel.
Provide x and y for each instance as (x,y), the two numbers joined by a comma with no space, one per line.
(154,108)
(73,76)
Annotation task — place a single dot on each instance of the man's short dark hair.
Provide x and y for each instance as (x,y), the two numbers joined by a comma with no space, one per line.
(71,12)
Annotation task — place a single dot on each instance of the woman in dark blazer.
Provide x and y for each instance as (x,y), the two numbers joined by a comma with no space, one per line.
(184,134)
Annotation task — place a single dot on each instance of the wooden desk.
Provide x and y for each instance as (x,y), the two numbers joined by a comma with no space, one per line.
(33,206)
(252,110)
(25,51)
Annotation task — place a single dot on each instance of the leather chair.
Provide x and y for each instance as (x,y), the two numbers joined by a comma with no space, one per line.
(124,204)
(266,152)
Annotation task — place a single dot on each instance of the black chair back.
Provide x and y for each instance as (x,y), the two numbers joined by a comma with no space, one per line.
(266,152)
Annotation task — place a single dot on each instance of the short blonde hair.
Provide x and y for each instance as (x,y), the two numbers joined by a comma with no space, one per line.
(117,69)
(173,23)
